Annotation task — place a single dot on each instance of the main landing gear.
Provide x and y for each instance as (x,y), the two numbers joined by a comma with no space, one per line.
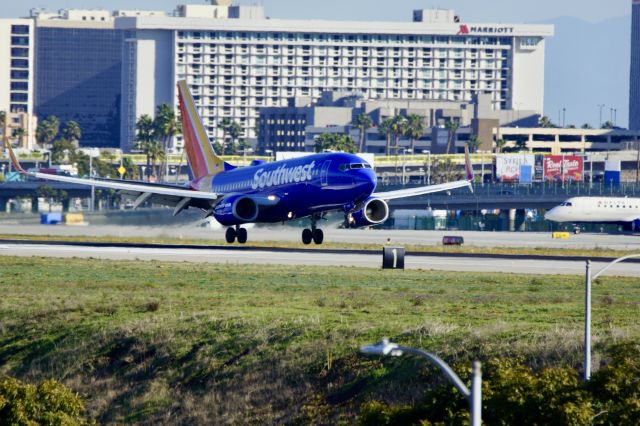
(236,233)
(314,234)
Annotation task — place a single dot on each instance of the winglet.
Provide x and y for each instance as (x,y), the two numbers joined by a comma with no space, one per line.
(468,167)
(14,159)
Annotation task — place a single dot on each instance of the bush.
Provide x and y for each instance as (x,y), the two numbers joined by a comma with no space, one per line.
(48,403)
(512,393)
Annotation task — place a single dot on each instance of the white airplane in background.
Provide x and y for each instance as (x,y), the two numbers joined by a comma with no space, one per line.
(618,210)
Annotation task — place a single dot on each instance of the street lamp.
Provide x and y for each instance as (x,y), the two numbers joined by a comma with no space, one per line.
(404,162)
(474,396)
(600,106)
(587,310)
(428,152)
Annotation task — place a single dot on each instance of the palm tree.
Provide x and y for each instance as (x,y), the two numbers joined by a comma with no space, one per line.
(500,143)
(72,131)
(3,122)
(363,123)
(18,134)
(145,139)
(474,143)
(521,145)
(324,142)
(345,143)
(452,128)
(385,129)
(398,128)
(586,126)
(167,126)
(414,129)
(335,142)
(608,125)
(234,130)
(224,125)
(546,122)
(48,130)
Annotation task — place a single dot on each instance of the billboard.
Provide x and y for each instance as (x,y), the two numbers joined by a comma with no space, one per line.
(508,166)
(563,168)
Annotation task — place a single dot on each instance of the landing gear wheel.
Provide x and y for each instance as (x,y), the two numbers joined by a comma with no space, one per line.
(307,236)
(230,235)
(242,235)
(318,236)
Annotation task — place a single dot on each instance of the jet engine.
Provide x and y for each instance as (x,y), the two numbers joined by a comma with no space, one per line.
(373,212)
(235,210)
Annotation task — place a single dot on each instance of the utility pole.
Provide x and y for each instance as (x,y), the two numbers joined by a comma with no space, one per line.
(600,122)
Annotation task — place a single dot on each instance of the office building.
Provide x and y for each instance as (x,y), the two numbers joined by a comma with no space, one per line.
(79,70)
(16,79)
(78,73)
(237,62)
(634,86)
(295,127)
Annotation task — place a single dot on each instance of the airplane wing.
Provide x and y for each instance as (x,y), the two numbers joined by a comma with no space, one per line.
(422,190)
(174,196)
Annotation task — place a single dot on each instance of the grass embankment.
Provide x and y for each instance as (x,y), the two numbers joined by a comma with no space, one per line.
(411,248)
(155,342)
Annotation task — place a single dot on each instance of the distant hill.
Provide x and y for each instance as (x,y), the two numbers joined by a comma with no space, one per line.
(588,64)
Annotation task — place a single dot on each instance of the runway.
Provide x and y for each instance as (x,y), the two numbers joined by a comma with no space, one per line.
(380,237)
(329,258)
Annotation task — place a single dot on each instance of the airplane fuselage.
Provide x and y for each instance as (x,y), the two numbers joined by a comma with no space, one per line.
(303,186)
(596,210)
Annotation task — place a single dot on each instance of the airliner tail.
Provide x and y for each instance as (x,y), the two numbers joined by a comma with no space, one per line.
(201,156)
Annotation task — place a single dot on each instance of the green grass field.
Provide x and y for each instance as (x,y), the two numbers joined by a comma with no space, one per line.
(154,342)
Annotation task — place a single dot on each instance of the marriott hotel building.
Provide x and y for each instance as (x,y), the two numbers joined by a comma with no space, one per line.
(237,61)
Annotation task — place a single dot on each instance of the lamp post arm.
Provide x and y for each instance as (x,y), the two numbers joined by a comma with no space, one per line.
(622,259)
(448,372)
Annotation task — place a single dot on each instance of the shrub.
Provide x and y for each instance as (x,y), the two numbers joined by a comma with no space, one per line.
(48,403)
(513,393)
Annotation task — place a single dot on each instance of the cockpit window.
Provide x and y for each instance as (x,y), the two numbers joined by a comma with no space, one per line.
(566,204)
(353,166)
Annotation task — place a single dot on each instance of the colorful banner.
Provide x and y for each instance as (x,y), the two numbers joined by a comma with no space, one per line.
(563,168)
(508,166)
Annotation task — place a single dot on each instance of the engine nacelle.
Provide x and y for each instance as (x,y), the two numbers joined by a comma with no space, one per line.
(373,212)
(235,210)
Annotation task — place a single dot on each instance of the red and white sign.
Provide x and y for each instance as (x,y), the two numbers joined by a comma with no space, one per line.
(563,168)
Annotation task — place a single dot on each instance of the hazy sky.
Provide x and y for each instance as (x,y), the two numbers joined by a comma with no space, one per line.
(516,11)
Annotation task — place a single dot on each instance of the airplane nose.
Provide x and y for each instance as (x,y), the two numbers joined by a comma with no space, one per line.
(367,178)
(550,215)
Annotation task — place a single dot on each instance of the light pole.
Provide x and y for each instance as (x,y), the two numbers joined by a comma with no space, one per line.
(587,310)
(93,188)
(600,106)
(404,163)
(564,116)
(428,152)
(474,396)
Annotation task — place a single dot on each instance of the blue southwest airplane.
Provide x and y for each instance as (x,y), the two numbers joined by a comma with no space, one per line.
(306,187)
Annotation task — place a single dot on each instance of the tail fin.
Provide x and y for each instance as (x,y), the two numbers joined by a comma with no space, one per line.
(202,158)
(468,167)
(14,159)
